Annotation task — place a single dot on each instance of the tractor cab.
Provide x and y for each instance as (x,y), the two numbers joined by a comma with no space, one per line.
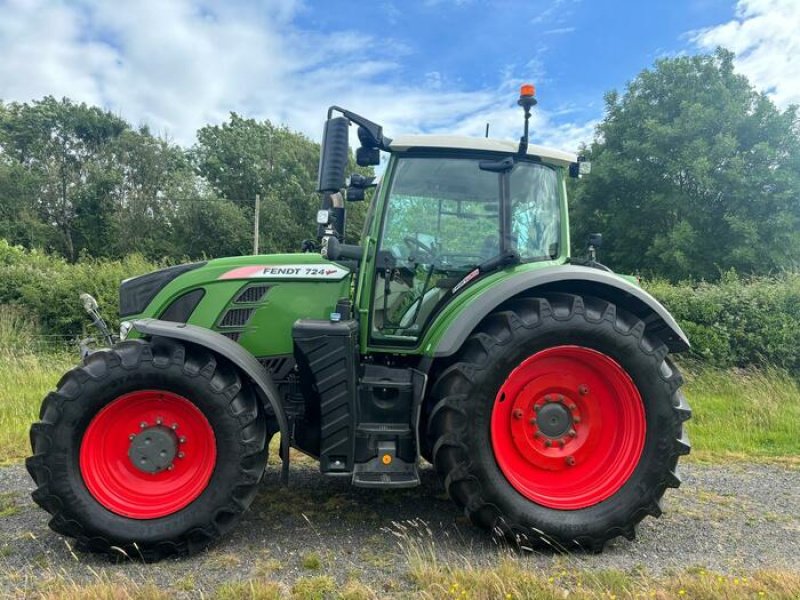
(449,210)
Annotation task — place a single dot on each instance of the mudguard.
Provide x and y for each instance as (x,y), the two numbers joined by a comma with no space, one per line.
(567,278)
(219,344)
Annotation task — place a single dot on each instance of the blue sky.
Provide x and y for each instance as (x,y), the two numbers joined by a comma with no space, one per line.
(427,66)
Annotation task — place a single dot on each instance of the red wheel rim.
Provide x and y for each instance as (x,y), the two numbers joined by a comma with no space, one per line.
(568,427)
(110,474)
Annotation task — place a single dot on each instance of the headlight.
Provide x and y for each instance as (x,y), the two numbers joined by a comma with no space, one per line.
(124,328)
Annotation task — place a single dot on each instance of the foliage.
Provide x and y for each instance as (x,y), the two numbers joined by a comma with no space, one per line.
(694,173)
(738,321)
(46,287)
(79,181)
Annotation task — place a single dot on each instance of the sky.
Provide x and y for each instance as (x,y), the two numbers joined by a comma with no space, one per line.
(427,66)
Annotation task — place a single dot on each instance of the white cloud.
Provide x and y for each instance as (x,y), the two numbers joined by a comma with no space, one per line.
(765,35)
(178,65)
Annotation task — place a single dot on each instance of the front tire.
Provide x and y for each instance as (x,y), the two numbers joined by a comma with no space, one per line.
(560,422)
(148,450)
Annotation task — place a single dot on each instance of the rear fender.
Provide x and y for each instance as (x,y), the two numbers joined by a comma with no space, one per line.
(568,279)
(246,362)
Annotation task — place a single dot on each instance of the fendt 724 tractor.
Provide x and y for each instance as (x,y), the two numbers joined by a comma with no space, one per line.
(459,330)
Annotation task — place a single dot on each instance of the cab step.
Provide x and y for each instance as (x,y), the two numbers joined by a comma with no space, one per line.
(386,470)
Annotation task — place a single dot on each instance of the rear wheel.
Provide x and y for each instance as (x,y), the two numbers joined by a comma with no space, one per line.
(148,450)
(560,422)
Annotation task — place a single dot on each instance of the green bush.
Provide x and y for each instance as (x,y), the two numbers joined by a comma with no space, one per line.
(739,321)
(46,288)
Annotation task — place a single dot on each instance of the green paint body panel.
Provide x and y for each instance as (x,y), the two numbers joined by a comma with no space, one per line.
(268,332)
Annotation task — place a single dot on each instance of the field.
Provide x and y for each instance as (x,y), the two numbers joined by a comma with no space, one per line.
(319,539)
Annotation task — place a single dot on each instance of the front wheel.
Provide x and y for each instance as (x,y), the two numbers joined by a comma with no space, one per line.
(148,450)
(560,422)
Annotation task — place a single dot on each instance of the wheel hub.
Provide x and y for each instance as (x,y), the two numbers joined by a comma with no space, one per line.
(153,449)
(554,420)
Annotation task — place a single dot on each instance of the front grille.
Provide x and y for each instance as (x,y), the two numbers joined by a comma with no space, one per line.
(236,317)
(253,293)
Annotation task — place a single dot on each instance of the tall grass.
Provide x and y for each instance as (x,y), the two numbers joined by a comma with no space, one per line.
(26,375)
(744,413)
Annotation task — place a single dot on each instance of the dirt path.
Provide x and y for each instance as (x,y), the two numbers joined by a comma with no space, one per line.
(732,518)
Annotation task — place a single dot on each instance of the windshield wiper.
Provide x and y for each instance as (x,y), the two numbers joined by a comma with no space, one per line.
(509,257)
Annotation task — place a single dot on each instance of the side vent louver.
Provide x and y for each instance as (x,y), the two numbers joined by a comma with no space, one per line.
(236,317)
(254,293)
(233,335)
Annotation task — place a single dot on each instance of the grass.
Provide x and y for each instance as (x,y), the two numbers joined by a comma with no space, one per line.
(26,376)
(427,579)
(752,415)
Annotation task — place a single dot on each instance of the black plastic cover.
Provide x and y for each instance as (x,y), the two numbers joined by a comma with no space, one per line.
(326,354)
(335,154)
(136,293)
(183,306)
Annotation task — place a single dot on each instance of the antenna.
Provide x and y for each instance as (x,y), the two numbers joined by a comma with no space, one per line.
(487,130)
(527,100)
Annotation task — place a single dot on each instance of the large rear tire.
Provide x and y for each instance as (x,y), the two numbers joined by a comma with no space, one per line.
(148,450)
(560,423)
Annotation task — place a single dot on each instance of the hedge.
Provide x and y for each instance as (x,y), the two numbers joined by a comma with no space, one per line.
(736,322)
(739,322)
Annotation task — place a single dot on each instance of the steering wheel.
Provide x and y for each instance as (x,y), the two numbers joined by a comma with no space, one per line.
(414,244)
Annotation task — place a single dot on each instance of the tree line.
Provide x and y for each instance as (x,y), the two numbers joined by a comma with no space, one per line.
(80,181)
(695,173)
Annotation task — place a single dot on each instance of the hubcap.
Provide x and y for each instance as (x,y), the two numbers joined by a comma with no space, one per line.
(554,420)
(154,449)
(568,427)
(147,454)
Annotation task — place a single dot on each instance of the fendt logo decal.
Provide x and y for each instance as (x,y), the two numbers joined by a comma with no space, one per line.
(324,271)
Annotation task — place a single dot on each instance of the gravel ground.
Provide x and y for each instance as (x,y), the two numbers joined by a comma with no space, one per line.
(733,518)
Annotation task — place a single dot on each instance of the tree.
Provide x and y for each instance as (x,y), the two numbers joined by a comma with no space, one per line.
(56,142)
(694,173)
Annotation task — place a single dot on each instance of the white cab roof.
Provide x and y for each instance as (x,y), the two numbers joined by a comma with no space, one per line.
(402,143)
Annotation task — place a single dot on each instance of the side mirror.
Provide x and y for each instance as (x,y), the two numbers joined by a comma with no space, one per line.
(89,303)
(595,240)
(335,154)
(368,157)
(359,183)
(582,167)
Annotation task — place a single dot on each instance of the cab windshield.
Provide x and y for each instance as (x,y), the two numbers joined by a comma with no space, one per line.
(442,220)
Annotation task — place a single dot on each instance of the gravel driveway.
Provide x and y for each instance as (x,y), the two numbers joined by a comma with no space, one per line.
(733,518)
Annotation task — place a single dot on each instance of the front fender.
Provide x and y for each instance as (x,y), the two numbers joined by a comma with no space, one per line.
(219,344)
(564,278)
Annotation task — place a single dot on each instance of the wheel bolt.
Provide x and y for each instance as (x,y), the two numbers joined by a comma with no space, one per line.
(570,460)
(537,408)
(159,420)
(143,425)
(181,455)
(576,419)
(548,398)
(517,413)
(132,436)
(548,443)
(174,426)
(561,443)
(532,421)
(560,398)
(572,433)
(537,435)
(182,439)
(583,389)
(169,468)
(573,407)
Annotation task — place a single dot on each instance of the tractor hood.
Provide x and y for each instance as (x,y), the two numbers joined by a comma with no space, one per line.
(251,299)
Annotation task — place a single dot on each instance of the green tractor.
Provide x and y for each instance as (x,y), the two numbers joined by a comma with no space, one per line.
(459,330)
